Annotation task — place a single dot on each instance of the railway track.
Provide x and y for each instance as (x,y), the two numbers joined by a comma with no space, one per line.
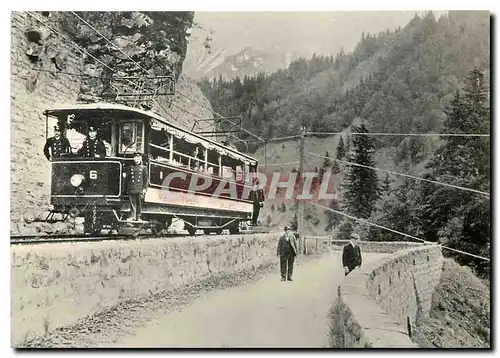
(58,238)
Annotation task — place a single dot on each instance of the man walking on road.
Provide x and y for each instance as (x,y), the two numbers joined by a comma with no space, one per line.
(351,257)
(287,250)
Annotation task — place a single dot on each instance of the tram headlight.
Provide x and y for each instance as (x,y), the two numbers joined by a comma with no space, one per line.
(77,179)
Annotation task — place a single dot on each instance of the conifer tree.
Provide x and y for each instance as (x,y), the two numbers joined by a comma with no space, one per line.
(326,164)
(334,219)
(386,184)
(459,218)
(361,184)
(340,149)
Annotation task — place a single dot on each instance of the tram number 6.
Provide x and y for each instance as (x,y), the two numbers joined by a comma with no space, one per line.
(93,174)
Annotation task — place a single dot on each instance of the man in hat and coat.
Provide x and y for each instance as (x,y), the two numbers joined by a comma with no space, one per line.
(137,185)
(56,146)
(92,146)
(287,250)
(351,256)
(257,197)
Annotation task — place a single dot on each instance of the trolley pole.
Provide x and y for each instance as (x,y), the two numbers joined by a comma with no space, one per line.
(300,215)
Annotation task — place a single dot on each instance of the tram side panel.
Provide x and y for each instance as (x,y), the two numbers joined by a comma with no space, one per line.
(172,186)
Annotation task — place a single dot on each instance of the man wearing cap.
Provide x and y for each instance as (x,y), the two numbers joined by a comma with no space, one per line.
(58,145)
(92,146)
(137,184)
(257,197)
(287,250)
(351,257)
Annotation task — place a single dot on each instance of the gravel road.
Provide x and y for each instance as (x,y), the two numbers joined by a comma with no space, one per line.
(263,314)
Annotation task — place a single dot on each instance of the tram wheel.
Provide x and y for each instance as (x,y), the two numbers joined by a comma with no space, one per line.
(91,225)
(157,228)
(191,230)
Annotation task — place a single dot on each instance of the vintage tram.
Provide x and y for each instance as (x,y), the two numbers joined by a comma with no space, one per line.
(209,184)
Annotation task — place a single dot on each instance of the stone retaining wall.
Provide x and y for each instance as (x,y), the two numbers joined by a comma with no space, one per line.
(54,285)
(379,305)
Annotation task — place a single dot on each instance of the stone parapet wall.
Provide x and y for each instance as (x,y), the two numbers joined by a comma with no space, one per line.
(54,285)
(380,304)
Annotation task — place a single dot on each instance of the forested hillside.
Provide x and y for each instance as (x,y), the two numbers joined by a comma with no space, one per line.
(432,76)
(398,81)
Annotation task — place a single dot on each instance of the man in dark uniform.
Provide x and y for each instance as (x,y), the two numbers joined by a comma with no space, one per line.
(92,146)
(136,186)
(58,145)
(257,199)
(287,250)
(351,257)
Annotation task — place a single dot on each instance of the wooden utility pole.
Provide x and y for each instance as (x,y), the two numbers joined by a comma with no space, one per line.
(300,214)
(265,153)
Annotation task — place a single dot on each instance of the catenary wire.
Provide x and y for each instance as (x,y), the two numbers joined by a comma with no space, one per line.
(404,134)
(180,93)
(397,232)
(402,174)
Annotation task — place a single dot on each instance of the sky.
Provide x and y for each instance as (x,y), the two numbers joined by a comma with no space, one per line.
(322,32)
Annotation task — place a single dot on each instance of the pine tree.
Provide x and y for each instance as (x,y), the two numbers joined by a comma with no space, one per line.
(340,149)
(326,160)
(335,167)
(386,185)
(361,184)
(459,218)
(334,219)
(294,223)
(326,164)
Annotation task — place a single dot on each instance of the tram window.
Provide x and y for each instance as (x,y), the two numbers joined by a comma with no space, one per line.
(227,173)
(240,175)
(213,162)
(160,145)
(131,137)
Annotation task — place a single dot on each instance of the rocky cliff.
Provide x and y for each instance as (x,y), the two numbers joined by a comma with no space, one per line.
(57,58)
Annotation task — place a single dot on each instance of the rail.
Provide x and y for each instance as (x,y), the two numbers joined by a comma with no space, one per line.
(58,238)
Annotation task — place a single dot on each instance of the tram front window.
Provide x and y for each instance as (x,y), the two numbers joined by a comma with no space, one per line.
(131,137)
(86,140)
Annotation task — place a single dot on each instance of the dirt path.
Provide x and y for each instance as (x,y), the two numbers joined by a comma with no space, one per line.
(265,314)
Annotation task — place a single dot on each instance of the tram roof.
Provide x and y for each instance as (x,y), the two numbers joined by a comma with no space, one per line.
(89,108)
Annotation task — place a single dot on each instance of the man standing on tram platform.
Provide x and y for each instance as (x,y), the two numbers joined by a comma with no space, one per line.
(258,201)
(137,184)
(56,146)
(92,146)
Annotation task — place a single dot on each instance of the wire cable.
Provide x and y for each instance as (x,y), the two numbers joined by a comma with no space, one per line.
(180,93)
(83,51)
(404,134)
(397,232)
(221,116)
(283,138)
(135,62)
(278,164)
(402,174)
(108,41)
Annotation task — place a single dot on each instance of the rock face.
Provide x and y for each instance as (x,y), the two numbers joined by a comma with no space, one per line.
(47,69)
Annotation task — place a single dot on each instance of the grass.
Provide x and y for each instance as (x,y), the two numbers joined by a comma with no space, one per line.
(460,311)
(345,332)
(68,282)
